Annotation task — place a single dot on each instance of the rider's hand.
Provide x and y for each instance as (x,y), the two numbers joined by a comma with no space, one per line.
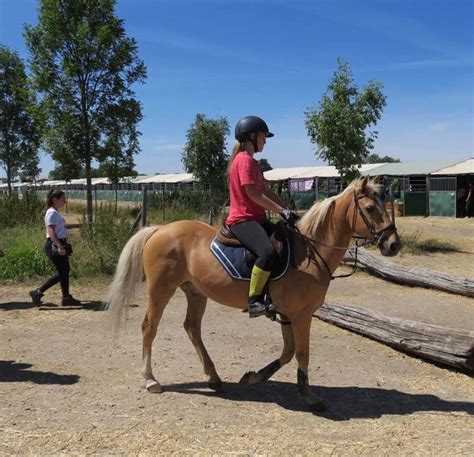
(289,217)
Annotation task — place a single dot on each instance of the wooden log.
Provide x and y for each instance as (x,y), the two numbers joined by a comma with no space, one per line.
(440,344)
(420,277)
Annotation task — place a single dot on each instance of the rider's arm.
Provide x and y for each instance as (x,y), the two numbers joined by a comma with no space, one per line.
(262,199)
(272,195)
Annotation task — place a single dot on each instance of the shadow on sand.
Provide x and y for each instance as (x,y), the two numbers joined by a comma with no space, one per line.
(343,403)
(87,305)
(11,371)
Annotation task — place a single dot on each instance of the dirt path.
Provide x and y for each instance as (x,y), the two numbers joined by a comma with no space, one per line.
(66,389)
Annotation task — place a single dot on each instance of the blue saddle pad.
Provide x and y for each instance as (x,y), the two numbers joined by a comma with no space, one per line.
(235,260)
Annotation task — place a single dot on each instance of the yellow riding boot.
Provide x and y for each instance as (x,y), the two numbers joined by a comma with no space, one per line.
(258,279)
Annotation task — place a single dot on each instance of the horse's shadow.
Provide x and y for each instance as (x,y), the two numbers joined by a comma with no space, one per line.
(343,403)
(11,371)
(87,305)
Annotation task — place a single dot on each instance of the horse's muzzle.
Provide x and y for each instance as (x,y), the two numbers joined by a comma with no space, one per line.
(390,245)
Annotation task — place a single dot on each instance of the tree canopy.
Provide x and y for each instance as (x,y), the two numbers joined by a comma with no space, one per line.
(205,154)
(264,165)
(375,158)
(19,133)
(338,127)
(84,66)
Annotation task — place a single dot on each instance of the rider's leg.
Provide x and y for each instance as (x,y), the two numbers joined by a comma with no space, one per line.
(253,236)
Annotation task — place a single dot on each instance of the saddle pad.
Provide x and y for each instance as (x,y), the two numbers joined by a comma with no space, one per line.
(234,260)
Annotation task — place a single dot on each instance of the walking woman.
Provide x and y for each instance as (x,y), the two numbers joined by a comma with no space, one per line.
(249,198)
(57,249)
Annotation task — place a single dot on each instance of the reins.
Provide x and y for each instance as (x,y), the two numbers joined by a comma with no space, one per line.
(378,236)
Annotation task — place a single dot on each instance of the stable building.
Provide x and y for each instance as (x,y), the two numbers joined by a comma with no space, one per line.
(426,188)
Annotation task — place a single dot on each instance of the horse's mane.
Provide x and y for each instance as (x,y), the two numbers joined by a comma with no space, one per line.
(314,218)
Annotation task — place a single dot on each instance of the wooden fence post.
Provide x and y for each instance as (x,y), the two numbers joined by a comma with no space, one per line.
(163,204)
(144,204)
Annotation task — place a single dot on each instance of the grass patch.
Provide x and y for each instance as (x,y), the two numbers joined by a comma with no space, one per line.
(414,244)
(24,255)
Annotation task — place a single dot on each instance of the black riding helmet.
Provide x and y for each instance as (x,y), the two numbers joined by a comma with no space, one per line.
(248,125)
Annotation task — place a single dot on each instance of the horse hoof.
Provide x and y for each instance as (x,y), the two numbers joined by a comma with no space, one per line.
(250,378)
(153,387)
(216,386)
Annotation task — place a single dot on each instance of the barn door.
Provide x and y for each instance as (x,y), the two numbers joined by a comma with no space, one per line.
(443,196)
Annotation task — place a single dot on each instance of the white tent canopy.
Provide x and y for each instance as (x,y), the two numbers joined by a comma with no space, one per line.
(462,168)
(325,171)
(168,178)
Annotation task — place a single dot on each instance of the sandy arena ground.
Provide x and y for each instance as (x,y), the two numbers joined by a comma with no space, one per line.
(66,389)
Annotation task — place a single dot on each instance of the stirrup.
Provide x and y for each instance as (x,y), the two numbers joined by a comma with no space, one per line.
(258,308)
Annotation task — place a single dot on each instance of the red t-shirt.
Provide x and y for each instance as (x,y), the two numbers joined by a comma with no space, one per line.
(244,170)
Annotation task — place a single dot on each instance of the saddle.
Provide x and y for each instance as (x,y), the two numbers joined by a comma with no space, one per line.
(278,234)
(238,261)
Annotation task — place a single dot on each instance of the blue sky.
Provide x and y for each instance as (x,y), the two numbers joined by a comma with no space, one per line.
(275,58)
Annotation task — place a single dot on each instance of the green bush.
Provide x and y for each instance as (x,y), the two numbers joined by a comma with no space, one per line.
(24,255)
(26,209)
(100,246)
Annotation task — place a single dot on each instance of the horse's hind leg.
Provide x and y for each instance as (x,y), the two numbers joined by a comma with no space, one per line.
(287,354)
(157,300)
(192,324)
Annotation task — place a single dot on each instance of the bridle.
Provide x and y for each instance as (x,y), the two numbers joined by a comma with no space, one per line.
(378,236)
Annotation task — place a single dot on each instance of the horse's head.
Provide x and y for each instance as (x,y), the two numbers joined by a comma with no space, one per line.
(370,220)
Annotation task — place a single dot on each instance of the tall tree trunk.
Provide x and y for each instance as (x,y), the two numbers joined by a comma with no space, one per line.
(116,198)
(89,192)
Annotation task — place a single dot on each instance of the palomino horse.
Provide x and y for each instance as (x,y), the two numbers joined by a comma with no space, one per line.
(178,255)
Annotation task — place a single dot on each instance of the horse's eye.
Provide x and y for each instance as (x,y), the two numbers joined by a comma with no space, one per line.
(370,208)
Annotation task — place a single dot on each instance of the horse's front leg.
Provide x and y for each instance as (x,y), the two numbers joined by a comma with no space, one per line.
(301,329)
(287,354)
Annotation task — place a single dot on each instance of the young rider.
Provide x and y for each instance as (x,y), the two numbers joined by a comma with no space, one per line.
(249,198)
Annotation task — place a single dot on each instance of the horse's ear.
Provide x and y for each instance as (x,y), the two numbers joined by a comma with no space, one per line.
(376,180)
(363,185)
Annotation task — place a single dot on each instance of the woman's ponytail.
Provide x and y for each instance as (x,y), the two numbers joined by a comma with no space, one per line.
(235,150)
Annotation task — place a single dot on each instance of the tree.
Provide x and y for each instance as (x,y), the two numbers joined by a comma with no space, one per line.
(375,158)
(84,66)
(338,127)
(264,165)
(19,133)
(119,163)
(205,154)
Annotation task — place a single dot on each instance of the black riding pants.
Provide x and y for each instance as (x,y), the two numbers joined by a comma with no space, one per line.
(61,263)
(254,237)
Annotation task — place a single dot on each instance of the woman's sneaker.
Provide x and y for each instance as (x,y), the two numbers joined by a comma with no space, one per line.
(36,296)
(70,301)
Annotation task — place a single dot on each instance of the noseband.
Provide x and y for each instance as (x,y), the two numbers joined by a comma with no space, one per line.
(378,236)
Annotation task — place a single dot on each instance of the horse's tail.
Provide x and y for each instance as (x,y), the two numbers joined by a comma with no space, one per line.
(128,275)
